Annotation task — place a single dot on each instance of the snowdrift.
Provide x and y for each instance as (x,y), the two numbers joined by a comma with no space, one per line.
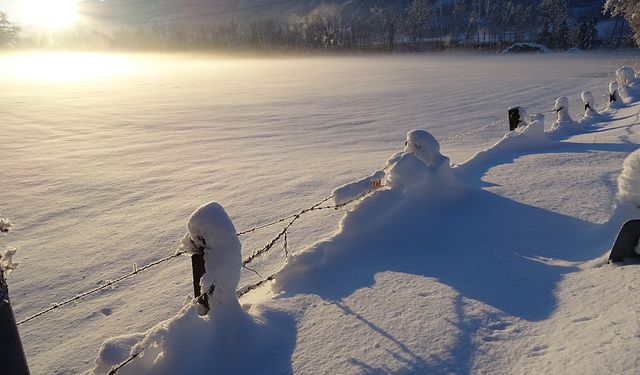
(418,215)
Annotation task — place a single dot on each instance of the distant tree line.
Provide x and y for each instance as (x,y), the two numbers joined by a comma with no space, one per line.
(9,33)
(415,25)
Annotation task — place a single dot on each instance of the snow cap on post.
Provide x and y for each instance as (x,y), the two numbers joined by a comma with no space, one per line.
(613,91)
(425,147)
(212,233)
(562,109)
(589,103)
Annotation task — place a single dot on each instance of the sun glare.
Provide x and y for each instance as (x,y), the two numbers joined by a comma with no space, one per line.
(50,13)
(65,66)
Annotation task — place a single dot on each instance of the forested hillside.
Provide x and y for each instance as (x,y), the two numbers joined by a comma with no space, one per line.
(338,25)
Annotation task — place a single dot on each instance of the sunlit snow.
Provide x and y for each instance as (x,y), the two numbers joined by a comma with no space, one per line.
(476,250)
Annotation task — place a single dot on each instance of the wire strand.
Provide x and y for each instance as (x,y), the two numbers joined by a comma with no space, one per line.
(108,283)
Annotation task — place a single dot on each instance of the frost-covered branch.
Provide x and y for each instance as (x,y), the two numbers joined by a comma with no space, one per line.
(5,225)
(6,260)
(630,10)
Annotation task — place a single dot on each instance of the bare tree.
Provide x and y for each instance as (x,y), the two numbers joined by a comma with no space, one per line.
(420,12)
(554,13)
(457,9)
(388,20)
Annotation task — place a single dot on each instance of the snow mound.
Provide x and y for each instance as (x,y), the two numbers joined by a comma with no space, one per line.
(626,75)
(420,166)
(420,173)
(526,48)
(629,179)
(526,137)
(629,85)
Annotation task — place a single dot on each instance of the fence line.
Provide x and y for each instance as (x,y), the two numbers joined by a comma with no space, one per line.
(246,289)
(294,217)
(136,270)
(316,207)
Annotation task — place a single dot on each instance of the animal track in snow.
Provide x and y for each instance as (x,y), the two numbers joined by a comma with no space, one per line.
(539,350)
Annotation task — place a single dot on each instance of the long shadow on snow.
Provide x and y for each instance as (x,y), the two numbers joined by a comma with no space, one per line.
(481,245)
(472,170)
(488,248)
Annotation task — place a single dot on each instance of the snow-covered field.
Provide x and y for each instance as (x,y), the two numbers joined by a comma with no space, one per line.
(498,269)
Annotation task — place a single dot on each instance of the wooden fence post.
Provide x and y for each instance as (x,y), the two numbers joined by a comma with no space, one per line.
(514,118)
(197,264)
(12,358)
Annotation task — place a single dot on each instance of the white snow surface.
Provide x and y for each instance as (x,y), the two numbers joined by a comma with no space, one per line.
(486,254)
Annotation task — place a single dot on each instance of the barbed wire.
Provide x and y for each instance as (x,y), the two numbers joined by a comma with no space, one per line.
(136,270)
(115,369)
(270,244)
(461,135)
(108,283)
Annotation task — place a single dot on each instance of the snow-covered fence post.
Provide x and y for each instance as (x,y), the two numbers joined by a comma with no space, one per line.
(589,104)
(613,91)
(588,100)
(212,242)
(514,118)
(562,109)
(12,358)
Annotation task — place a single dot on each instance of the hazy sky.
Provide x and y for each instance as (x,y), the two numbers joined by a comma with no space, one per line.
(13,9)
(50,13)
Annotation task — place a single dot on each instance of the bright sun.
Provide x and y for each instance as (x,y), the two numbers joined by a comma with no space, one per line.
(50,13)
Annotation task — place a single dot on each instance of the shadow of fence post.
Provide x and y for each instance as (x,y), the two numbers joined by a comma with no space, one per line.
(12,358)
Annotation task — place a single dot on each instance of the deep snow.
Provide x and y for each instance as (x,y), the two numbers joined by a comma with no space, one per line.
(500,269)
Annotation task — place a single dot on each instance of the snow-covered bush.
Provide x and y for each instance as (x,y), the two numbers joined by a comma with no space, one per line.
(626,75)
(629,179)
(629,86)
